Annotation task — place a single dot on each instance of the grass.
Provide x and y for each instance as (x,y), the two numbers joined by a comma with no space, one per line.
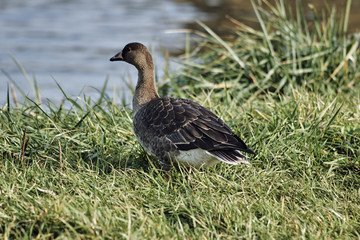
(78,171)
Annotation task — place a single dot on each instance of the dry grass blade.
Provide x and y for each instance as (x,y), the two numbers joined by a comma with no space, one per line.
(224,44)
(24,144)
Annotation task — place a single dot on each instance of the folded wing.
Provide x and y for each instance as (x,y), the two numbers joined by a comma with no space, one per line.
(189,126)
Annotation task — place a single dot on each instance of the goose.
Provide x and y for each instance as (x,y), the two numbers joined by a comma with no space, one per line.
(174,129)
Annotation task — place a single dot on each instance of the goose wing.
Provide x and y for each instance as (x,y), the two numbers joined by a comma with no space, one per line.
(189,126)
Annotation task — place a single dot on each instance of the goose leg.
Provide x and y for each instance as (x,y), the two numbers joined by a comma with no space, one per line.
(166,164)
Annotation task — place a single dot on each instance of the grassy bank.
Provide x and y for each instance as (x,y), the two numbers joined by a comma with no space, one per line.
(291,90)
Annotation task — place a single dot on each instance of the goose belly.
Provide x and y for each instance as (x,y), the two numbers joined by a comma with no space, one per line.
(196,158)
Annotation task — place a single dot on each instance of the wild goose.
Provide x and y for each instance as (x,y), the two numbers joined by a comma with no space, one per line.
(174,129)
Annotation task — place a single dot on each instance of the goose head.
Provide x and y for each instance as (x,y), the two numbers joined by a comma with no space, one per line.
(135,54)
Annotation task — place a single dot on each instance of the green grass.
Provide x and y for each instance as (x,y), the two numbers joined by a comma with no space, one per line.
(78,171)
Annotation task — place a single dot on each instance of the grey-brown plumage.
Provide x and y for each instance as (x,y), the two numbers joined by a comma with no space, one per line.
(177,129)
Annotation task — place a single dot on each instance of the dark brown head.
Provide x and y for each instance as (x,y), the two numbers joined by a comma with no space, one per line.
(135,54)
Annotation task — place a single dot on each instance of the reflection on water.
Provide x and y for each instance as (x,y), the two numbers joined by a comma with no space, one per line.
(72,41)
(242,10)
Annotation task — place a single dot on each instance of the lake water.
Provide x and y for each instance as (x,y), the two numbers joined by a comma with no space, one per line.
(71,41)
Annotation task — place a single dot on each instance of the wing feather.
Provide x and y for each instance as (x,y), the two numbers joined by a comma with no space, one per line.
(190,126)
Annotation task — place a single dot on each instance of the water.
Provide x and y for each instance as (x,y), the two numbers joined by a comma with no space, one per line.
(71,41)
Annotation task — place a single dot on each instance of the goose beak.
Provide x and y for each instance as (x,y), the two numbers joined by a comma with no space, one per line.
(117,57)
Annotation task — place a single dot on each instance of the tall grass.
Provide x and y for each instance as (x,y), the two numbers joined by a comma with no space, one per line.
(287,51)
(78,171)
